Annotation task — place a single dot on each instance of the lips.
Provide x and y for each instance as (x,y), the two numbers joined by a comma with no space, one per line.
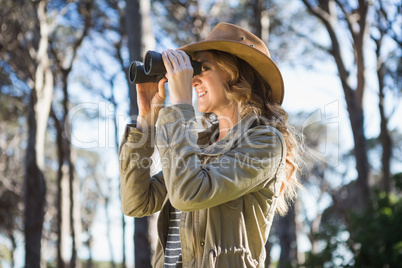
(201,94)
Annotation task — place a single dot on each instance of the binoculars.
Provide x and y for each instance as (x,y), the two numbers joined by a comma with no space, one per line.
(153,69)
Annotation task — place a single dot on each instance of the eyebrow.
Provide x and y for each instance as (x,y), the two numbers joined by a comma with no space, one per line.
(200,60)
(204,61)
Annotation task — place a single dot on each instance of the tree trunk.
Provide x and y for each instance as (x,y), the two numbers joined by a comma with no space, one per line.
(90,261)
(123,223)
(142,250)
(35,186)
(34,195)
(134,35)
(258,7)
(268,247)
(73,188)
(61,263)
(116,140)
(386,141)
(108,228)
(140,38)
(75,214)
(260,22)
(13,248)
(326,13)
(385,137)
(288,241)
(68,185)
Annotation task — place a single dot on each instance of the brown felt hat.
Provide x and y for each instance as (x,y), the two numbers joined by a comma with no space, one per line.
(248,47)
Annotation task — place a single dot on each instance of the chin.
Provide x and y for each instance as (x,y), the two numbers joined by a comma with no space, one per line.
(201,110)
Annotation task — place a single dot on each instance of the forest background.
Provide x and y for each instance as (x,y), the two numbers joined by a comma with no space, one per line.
(65,99)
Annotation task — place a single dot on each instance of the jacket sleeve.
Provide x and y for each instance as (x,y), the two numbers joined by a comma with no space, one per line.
(141,194)
(246,167)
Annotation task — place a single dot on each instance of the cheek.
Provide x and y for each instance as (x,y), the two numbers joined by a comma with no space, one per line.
(221,90)
(222,78)
(219,85)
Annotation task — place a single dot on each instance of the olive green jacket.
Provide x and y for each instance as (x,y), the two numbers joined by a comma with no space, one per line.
(227,190)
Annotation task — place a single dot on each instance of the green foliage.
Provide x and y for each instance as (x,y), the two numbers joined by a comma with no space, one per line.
(331,252)
(378,233)
(376,237)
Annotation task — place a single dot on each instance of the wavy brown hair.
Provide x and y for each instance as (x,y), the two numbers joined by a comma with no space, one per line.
(251,93)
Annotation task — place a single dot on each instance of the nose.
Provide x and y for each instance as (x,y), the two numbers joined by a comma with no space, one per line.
(196,81)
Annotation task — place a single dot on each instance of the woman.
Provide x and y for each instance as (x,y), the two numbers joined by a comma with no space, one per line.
(219,189)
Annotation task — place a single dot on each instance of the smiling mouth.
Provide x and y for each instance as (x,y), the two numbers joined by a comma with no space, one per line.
(202,94)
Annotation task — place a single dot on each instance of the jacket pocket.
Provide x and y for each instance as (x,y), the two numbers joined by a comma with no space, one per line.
(231,257)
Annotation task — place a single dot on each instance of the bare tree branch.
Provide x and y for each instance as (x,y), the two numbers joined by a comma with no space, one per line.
(390,24)
(317,11)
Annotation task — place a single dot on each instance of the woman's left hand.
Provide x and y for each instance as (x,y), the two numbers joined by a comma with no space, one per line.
(179,75)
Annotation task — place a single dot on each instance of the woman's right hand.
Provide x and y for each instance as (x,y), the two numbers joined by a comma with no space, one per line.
(150,100)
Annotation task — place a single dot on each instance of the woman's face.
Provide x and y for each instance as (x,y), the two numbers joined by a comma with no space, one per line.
(210,86)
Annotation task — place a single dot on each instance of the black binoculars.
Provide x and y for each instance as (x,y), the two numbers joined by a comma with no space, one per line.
(153,68)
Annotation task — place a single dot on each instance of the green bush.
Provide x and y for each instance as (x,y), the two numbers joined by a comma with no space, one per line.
(375,236)
(378,233)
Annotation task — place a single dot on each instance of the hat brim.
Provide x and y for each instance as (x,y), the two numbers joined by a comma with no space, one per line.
(258,60)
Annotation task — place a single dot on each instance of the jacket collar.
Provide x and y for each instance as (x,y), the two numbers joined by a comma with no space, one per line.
(206,139)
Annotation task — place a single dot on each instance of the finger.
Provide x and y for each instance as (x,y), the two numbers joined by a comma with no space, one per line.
(180,58)
(185,57)
(166,62)
(161,88)
(174,60)
(187,62)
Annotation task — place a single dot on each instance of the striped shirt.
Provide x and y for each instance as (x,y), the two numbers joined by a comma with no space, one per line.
(173,247)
